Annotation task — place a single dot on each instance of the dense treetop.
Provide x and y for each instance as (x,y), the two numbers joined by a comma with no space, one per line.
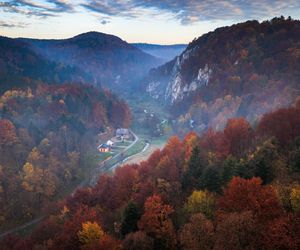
(48,135)
(221,190)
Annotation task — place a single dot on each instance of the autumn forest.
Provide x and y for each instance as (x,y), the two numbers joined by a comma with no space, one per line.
(105,145)
(231,189)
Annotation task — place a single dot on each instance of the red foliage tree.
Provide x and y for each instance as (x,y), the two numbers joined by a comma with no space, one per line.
(249,195)
(197,234)
(237,136)
(174,151)
(211,141)
(283,233)
(138,241)
(284,124)
(81,197)
(103,192)
(173,148)
(125,179)
(237,231)
(7,133)
(108,242)
(144,189)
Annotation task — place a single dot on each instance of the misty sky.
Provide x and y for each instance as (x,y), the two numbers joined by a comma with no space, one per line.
(152,21)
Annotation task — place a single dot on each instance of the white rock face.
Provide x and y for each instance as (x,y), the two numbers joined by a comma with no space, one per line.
(203,76)
(152,89)
(152,86)
(176,89)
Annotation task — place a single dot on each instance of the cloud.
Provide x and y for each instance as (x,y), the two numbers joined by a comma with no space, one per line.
(112,8)
(190,11)
(186,11)
(12,24)
(43,9)
(104,21)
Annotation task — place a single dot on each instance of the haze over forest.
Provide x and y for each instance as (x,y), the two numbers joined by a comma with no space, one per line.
(143,125)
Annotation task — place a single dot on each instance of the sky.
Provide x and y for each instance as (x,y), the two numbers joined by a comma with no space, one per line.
(150,21)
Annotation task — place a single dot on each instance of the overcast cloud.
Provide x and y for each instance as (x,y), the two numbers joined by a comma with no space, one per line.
(186,11)
(160,21)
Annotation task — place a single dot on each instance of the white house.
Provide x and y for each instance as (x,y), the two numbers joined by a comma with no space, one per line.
(110,143)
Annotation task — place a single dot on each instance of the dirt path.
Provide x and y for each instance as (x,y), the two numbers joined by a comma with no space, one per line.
(24,226)
(101,169)
(93,181)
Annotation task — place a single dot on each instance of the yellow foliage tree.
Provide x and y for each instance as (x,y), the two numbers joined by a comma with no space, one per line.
(38,180)
(91,232)
(201,202)
(64,212)
(35,157)
(295,199)
(29,177)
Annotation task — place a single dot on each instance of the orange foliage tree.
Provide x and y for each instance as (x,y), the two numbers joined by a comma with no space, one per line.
(156,222)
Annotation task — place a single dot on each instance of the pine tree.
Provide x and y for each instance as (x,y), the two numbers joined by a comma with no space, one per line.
(264,161)
(191,178)
(131,216)
(211,180)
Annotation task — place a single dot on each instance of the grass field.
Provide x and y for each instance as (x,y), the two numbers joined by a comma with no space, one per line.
(155,144)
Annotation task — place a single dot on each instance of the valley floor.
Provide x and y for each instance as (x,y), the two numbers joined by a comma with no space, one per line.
(144,155)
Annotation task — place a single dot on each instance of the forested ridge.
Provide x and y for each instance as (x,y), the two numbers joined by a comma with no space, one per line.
(246,69)
(21,66)
(231,189)
(48,137)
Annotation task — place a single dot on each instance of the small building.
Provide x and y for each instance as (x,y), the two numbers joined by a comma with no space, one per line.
(110,143)
(104,148)
(123,133)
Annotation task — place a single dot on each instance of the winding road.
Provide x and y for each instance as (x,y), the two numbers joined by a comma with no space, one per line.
(101,169)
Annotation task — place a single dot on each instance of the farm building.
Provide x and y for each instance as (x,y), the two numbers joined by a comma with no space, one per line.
(110,143)
(104,148)
(123,133)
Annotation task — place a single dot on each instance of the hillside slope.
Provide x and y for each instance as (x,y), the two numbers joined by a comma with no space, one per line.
(110,60)
(232,189)
(20,65)
(243,70)
(48,138)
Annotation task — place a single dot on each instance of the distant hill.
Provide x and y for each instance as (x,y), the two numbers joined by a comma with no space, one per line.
(20,65)
(94,58)
(109,59)
(243,70)
(164,52)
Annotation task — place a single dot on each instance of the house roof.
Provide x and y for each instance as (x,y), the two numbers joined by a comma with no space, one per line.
(123,131)
(104,145)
